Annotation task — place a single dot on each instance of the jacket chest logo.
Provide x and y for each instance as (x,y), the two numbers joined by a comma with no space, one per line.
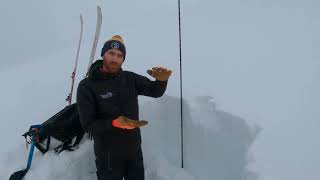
(107,95)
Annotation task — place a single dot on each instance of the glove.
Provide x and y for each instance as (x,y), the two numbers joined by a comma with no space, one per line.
(123,122)
(160,73)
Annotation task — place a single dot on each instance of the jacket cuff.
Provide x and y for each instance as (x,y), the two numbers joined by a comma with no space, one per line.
(161,81)
(100,126)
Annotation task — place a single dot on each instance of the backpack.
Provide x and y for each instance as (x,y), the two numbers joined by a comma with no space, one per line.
(64,126)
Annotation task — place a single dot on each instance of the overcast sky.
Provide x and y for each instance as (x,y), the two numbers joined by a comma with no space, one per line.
(259,59)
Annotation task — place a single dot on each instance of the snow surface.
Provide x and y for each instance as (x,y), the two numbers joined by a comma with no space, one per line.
(216,146)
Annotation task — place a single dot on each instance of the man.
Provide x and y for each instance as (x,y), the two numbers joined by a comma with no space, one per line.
(107,102)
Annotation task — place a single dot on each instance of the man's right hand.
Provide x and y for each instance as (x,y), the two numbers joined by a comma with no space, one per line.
(126,123)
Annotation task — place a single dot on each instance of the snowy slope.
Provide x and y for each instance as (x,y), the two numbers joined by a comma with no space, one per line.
(216,146)
(216,143)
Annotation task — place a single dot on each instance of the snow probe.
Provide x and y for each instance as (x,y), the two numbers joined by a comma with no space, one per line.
(181,100)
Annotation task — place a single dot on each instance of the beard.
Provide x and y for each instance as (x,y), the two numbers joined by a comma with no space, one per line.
(112,67)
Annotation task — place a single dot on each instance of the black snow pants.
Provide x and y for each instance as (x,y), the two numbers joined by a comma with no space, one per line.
(114,163)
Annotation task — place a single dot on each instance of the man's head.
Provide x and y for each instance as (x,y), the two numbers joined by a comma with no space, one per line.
(113,54)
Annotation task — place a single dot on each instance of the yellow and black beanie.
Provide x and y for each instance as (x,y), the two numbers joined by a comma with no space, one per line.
(116,42)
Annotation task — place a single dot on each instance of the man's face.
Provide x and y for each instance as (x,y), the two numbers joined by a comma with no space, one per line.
(112,60)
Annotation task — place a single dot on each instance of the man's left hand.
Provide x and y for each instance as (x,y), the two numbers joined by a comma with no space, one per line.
(160,73)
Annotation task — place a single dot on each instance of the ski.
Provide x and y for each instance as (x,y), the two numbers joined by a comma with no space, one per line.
(73,75)
(96,37)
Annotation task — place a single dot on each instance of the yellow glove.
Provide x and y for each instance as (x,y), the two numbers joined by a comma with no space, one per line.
(160,73)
